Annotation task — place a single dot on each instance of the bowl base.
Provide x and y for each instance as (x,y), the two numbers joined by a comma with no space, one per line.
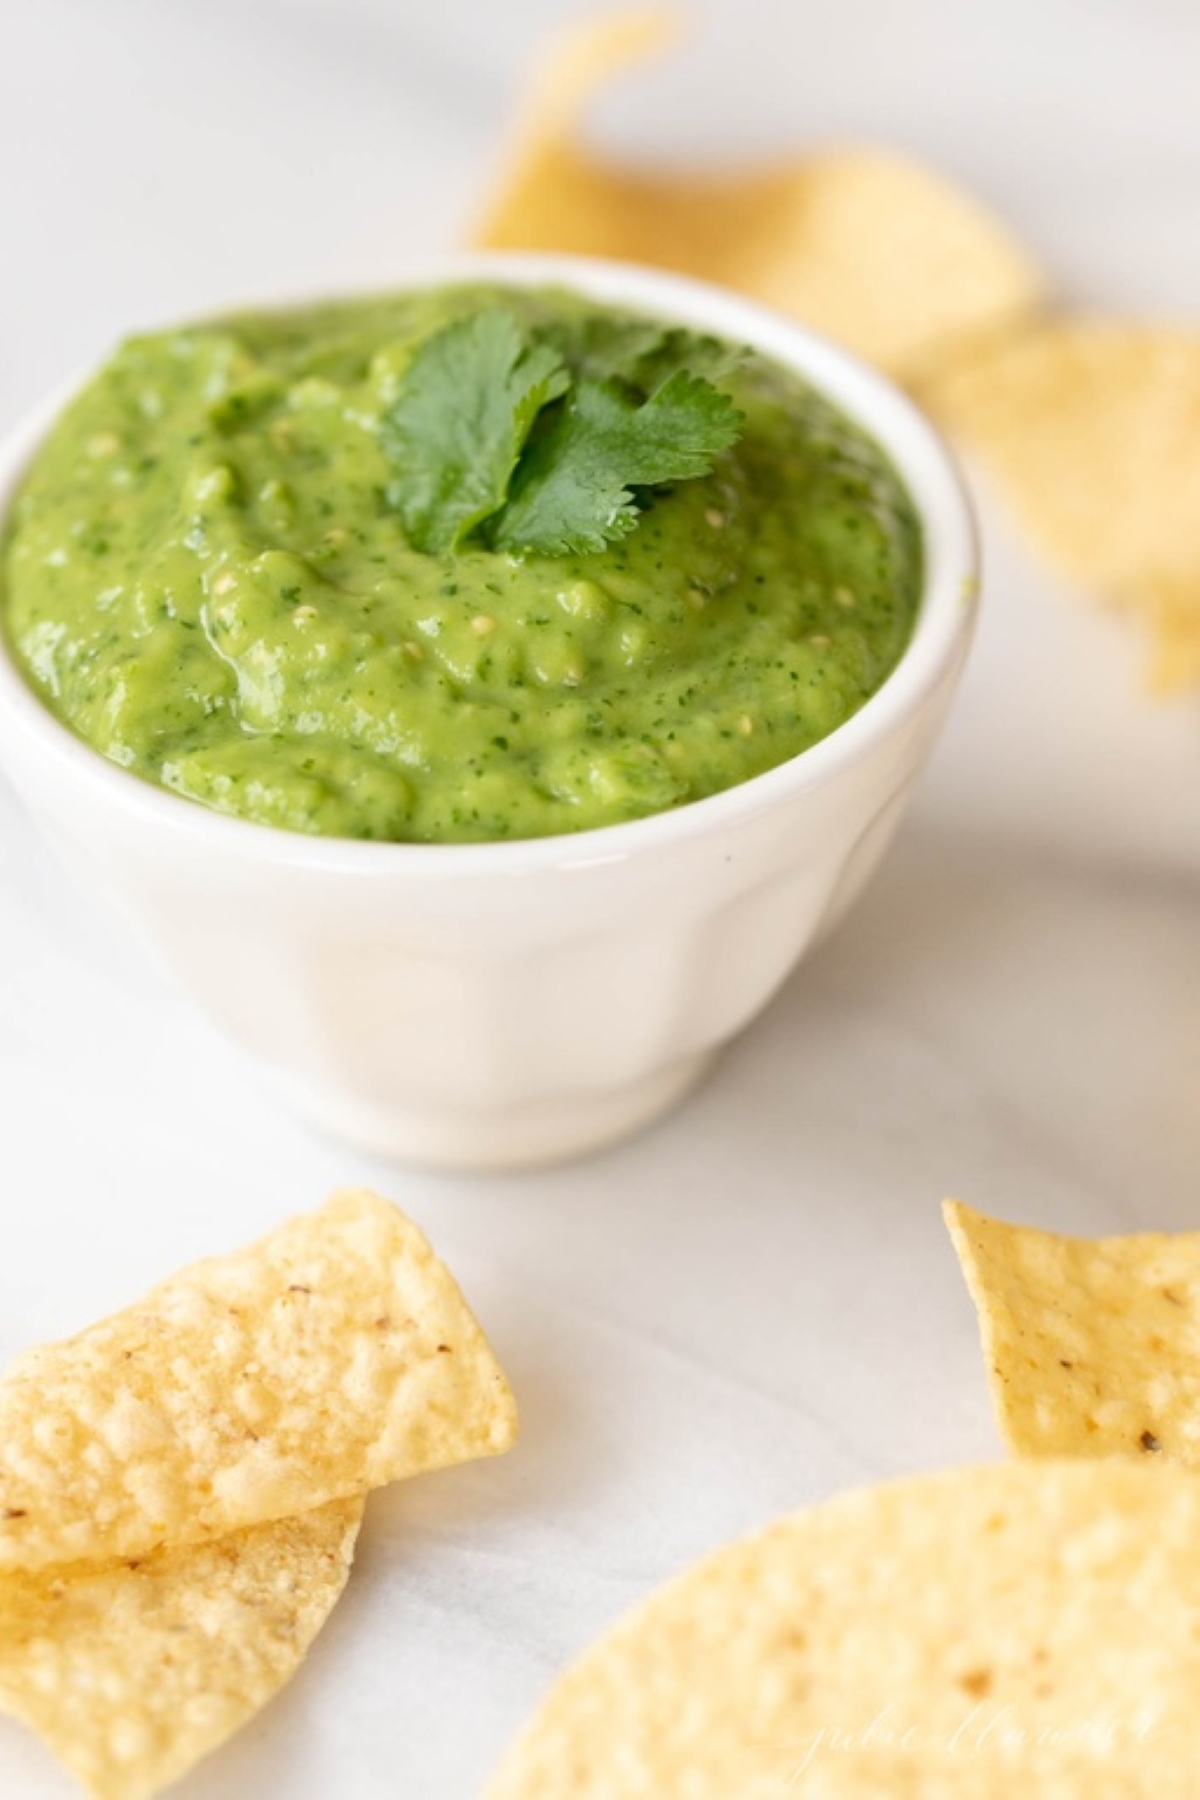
(509,1137)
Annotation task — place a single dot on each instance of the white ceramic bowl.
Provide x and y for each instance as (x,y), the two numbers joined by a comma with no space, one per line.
(490,1005)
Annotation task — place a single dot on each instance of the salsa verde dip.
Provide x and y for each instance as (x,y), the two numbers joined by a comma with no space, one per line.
(207,576)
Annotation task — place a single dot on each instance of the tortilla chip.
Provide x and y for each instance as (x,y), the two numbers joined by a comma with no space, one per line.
(333,1357)
(1092,1345)
(1090,430)
(860,243)
(1032,1628)
(131,1672)
(1035,1771)
(1172,609)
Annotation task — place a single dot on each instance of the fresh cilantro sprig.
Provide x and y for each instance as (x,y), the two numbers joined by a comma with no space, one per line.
(548,441)
(576,488)
(470,396)
(639,352)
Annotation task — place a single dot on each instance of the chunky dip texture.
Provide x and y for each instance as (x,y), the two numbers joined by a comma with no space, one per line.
(207,575)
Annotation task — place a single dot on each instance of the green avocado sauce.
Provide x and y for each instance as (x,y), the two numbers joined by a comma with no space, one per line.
(206,578)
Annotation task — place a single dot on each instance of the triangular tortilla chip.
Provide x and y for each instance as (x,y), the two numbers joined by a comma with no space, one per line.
(1090,429)
(875,250)
(1092,1345)
(131,1672)
(330,1358)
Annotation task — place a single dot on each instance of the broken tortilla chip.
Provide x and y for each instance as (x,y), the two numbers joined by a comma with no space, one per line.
(131,1672)
(877,251)
(334,1356)
(1028,1628)
(1092,1345)
(1090,431)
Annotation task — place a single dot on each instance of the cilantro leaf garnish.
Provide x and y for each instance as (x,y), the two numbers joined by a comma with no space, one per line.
(639,352)
(575,487)
(470,395)
(549,440)
(599,347)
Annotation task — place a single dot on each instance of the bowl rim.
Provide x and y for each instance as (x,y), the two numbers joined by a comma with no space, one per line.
(941,633)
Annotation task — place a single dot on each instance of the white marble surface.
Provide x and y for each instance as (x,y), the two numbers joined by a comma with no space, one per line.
(753,1305)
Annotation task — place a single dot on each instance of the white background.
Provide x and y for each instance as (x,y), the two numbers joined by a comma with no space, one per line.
(752,1306)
